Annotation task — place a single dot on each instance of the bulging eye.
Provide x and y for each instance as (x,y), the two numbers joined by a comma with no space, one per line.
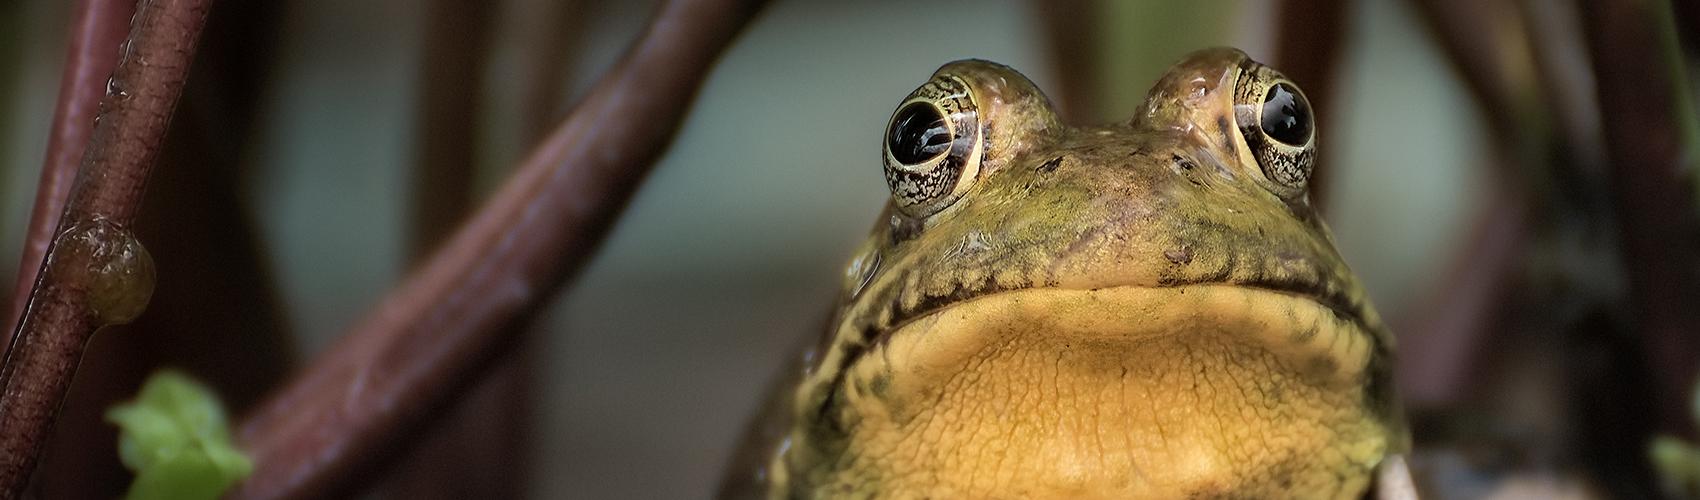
(1286,115)
(932,147)
(1279,130)
(918,133)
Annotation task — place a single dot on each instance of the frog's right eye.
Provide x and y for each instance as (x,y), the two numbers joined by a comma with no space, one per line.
(1278,126)
(932,147)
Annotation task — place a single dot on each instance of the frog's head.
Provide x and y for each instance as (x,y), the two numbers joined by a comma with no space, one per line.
(1205,185)
(1011,236)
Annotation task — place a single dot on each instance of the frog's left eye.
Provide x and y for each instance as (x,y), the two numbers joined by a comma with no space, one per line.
(1286,115)
(1276,121)
(932,147)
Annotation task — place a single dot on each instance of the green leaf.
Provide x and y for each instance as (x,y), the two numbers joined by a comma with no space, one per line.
(175,437)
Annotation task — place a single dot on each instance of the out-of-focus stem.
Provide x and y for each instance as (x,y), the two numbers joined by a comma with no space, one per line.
(411,354)
(1454,319)
(1307,50)
(1472,34)
(550,33)
(1452,324)
(467,453)
(1071,31)
(481,446)
(1651,149)
(457,36)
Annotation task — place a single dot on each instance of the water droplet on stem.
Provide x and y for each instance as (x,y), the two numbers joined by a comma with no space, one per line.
(119,272)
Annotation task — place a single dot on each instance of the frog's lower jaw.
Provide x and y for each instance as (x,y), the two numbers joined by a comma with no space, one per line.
(1127,392)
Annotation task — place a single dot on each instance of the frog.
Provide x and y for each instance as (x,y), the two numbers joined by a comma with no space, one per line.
(1152,308)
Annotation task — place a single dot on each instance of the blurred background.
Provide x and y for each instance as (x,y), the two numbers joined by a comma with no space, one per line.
(285,207)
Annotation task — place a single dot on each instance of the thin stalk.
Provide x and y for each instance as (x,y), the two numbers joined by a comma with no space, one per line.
(1308,40)
(1071,31)
(457,39)
(414,352)
(1652,157)
(468,452)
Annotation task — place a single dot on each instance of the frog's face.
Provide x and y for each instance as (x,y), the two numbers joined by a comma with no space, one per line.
(1205,185)
(1022,262)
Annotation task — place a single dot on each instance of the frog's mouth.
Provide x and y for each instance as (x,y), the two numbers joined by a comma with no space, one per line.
(1335,298)
(1316,324)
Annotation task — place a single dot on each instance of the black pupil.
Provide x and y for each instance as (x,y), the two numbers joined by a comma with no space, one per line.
(918,134)
(1286,115)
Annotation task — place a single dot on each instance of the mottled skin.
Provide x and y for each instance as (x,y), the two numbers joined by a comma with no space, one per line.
(1127,311)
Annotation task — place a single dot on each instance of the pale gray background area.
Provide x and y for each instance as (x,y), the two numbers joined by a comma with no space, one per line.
(728,255)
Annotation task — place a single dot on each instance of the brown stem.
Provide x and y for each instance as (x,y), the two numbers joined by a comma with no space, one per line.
(1560,59)
(1472,34)
(415,350)
(97,27)
(549,34)
(1071,34)
(479,448)
(1688,23)
(1453,323)
(1454,319)
(1307,49)
(217,314)
(457,35)
(467,453)
(97,274)
(1651,152)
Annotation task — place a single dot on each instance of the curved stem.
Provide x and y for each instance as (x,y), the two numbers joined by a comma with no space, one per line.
(1454,319)
(413,352)
(1307,49)
(1651,148)
(456,45)
(1074,41)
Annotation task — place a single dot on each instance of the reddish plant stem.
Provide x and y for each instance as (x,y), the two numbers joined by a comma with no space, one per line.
(481,446)
(1472,35)
(550,33)
(476,449)
(468,452)
(457,38)
(97,27)
(412,353)
(1071,33)
(1560,60)
(1688,23)
(1639,81)
(66,305)
(1307,50)
(1451,322)
(217,314)
(1451,325)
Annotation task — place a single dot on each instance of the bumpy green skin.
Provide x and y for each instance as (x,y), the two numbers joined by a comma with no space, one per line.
(175,437)
(1093,285)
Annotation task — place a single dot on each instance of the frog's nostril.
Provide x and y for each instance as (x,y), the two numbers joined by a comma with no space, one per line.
(1184,163)
(1049,165)
(1185,167)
